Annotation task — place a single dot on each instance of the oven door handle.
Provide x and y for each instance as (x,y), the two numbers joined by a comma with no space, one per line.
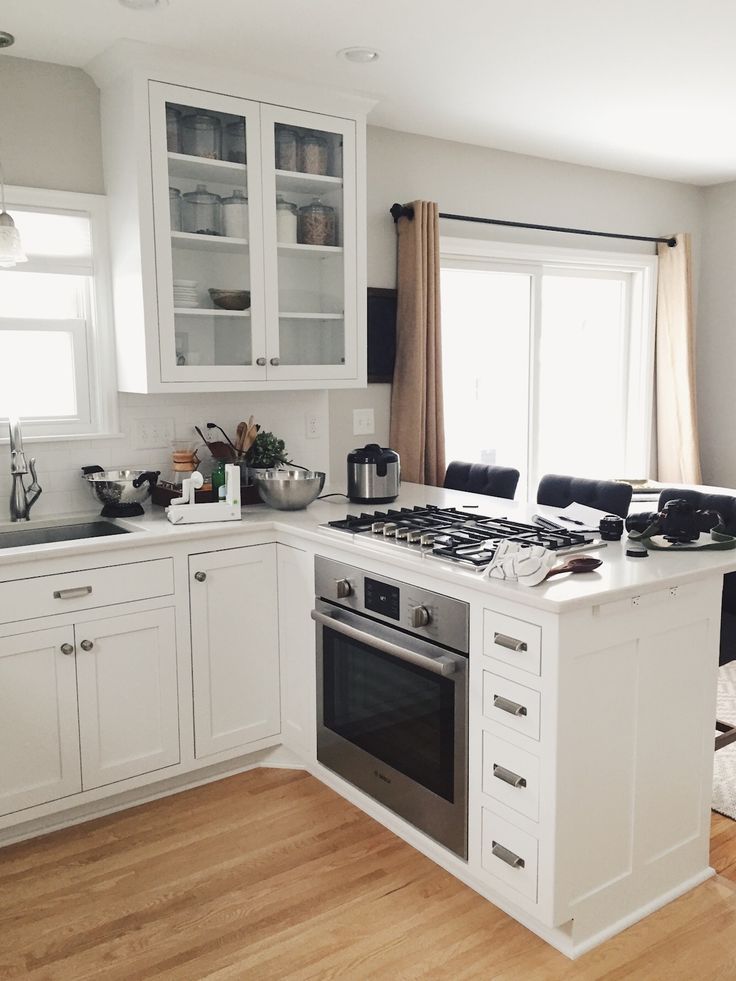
(439,665)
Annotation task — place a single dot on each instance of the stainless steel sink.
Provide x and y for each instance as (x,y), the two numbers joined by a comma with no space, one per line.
(44,535)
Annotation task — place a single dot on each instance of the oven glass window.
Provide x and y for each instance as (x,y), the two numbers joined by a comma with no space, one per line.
(396,711)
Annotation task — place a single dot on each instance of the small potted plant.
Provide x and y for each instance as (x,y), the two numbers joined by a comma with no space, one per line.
(267,452)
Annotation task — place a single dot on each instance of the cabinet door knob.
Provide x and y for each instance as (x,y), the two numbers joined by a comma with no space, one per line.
(67,649)
(86,645)
(200,576)
(260,362)
(275,362)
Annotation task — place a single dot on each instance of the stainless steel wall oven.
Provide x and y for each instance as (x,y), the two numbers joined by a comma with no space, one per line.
(392,694)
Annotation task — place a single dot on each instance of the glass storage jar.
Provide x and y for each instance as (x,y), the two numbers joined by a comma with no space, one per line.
(173,130)
(317,224)
(287,149)
(313,151)
(202,212)
(286,221)
(235,142)
(201,135)
(175,208)
(235,215)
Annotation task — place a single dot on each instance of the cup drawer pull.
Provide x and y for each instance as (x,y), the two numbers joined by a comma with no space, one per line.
(506,705)
(507,856)
(508,776)
(510,643)
(76,592)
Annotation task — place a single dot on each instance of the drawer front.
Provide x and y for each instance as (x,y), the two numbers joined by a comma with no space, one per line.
(509,856)
(511,775)
(45,596)
(512,641)
(511,705)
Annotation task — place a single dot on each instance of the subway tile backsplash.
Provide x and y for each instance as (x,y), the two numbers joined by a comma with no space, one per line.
(58,462)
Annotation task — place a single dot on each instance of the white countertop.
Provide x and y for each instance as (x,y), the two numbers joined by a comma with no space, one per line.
(618,577)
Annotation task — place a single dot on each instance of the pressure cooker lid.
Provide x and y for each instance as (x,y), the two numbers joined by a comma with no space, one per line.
(373,453)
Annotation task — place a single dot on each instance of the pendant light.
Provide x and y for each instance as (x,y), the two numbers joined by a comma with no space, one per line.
(11,250)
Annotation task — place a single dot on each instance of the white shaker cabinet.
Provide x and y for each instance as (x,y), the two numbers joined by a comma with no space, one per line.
(235,665)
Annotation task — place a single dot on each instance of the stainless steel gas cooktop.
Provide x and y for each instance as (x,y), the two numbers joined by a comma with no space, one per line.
(454,535)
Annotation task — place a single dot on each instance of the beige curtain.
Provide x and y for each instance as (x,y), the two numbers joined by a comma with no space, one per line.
(417,414)
(678,452)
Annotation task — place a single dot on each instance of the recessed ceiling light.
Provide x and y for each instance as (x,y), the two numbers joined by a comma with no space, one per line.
(144,4)
(6,39)
(360,56)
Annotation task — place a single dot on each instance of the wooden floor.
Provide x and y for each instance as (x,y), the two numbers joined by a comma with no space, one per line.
(270,875)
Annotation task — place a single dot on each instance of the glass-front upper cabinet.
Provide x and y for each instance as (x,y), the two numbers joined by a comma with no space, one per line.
(206,169)
(309,213)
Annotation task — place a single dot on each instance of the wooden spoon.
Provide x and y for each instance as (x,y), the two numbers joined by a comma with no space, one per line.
(578,563)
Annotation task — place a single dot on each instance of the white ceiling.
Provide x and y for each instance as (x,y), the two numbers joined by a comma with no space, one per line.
(645,86)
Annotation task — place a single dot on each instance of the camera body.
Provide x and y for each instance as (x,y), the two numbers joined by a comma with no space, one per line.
(678,521)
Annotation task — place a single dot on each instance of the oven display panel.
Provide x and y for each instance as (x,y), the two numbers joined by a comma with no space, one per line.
(382,598)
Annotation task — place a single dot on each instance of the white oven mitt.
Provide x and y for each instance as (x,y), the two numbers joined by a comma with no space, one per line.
(526,564)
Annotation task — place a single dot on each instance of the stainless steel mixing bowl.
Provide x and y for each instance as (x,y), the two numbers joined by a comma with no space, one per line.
(289,490)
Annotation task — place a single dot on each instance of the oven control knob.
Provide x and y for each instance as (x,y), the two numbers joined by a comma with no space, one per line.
(343,588)
(419,616)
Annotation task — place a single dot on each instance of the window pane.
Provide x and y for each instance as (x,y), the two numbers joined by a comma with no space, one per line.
(41,295)
(53,234)
(581,414)
(37,373)
(485,361)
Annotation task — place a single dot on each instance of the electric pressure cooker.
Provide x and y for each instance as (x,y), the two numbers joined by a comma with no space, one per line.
(373,475)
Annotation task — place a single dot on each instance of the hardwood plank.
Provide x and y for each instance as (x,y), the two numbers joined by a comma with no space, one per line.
(270,875)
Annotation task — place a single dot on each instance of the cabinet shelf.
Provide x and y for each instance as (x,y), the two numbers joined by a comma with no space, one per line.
(209,243)
(207,312)
(288,180)
(312,316)
(204,169)
(309,250)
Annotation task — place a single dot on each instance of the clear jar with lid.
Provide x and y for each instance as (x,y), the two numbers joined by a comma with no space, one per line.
(201,135)
(175,209)
(235,215)
(173,129)
(287,149)
(317,224)
(201,213)
(313,154)
(286,221)
(235,142)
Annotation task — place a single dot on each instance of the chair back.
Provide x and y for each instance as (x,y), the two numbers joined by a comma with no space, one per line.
(558,490)
(480,478)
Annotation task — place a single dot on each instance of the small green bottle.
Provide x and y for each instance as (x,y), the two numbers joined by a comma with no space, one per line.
(218,482)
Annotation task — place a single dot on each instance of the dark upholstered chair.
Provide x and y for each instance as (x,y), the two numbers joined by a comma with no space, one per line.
(478,478)
(558,490)
(726,507)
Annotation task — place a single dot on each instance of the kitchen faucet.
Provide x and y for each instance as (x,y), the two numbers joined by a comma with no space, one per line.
(22,498)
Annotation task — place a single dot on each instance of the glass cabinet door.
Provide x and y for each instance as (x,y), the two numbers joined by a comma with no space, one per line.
(208,234)
(309,206)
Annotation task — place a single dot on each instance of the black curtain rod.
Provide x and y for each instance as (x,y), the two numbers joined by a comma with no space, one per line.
(406,211)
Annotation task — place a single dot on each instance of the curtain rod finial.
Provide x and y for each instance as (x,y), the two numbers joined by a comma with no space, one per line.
(401,211)
(672,242)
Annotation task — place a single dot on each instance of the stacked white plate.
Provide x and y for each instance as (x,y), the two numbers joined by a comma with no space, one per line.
(185,293)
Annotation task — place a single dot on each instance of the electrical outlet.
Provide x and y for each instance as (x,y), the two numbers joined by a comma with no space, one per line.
(312,425)
(363,422)
(153,434)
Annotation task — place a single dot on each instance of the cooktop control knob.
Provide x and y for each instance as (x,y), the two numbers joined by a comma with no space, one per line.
(343,588)
(419,616)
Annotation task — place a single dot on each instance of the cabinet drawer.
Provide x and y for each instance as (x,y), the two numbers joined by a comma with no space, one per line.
(509,855)
(511,775)
(44,596)
(511,705)
(512,641)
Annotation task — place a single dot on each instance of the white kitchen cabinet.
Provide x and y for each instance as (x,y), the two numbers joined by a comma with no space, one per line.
(235,643)
(128,698)
(39,738)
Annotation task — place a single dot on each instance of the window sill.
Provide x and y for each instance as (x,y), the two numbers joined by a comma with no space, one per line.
(64,439)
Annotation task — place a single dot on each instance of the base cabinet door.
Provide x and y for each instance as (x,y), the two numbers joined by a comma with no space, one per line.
(128,696)
(39,744)
(235,653)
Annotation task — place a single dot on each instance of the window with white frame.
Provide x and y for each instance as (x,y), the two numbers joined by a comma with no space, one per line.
(56,367)
(548,359)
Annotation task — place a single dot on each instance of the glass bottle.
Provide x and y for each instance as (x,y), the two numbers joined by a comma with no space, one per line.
(317,224)
(175,208)
(173,130)
(287,149)
(202,212)
(313,151)
(235,215)
(201,135)
(235,142)
(286,221)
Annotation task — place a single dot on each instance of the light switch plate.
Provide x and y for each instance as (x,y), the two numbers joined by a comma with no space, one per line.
(153,434)
(364,423)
